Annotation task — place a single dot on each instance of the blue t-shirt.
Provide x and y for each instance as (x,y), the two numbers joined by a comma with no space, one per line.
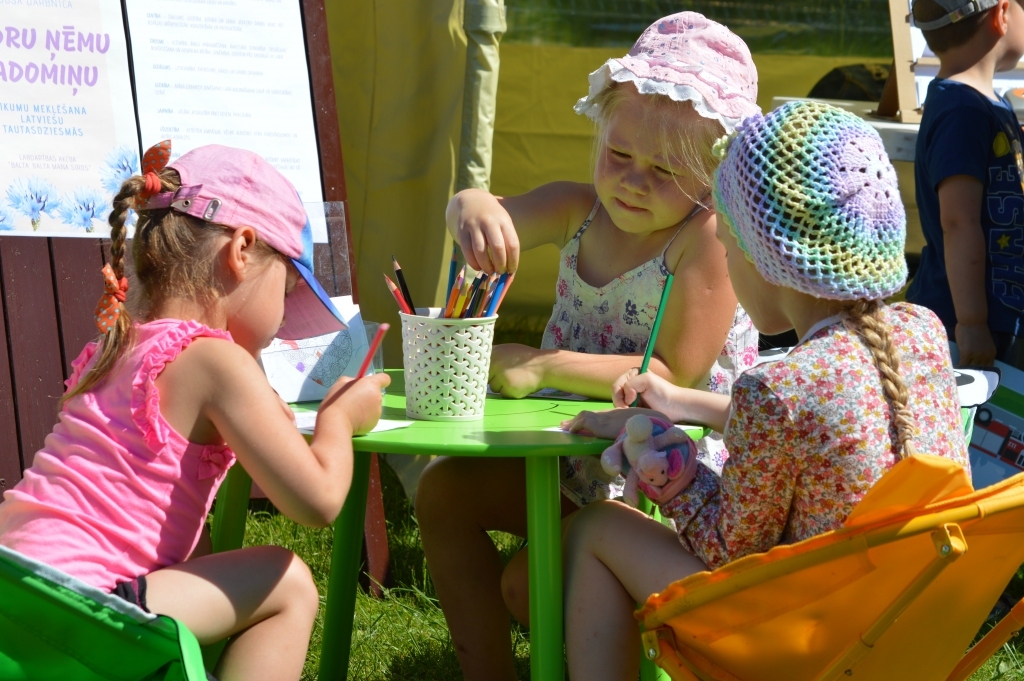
(963,132)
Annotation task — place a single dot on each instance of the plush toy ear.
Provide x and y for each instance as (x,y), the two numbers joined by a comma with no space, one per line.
(675,464)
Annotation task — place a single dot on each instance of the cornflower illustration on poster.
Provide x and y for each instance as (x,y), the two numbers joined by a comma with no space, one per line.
(67,123)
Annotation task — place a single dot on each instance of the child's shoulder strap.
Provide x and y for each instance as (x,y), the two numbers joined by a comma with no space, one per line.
(590,218)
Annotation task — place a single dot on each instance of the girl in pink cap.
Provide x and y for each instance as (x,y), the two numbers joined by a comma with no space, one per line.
(659,109)
(158,409)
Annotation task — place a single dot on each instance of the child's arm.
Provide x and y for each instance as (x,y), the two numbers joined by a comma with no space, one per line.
(960,206)
(493,230)
(746,510)
(680,405)
(665,400)
(218,388)
(699,313)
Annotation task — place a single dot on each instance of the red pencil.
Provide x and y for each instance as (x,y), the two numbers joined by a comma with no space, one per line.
(374,344)
(402,305)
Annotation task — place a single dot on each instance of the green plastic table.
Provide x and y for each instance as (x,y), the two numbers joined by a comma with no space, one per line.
(510,428)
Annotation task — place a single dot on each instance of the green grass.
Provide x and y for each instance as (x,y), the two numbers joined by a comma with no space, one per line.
(402,635)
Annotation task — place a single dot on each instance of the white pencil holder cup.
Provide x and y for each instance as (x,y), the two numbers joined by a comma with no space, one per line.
(446,365)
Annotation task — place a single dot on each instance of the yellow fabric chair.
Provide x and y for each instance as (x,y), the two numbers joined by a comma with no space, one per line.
(898,592)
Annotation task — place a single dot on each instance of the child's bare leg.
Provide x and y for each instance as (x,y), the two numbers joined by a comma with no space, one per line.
(458,501)
(515,579)
(615,558)
(263,597)
(204,546)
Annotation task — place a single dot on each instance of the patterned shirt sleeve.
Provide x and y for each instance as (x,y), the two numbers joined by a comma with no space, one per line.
(746,510)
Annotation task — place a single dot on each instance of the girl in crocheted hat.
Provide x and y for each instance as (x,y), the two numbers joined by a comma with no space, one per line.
(158,409)
(686,82)
(810,216)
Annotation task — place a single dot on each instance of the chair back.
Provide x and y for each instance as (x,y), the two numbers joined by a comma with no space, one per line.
(899,592)
(53,626)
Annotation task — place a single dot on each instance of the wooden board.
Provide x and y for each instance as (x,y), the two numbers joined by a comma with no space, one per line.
(36,364)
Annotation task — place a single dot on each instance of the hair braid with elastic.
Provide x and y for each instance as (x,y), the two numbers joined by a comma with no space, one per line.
(865,318)
(174,256)
(120,338)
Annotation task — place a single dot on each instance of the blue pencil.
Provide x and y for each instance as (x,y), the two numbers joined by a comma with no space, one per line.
(451,272)
(496,296)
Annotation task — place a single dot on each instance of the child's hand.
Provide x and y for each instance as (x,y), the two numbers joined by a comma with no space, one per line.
(484,230)
(357,401)
(657,392)
(975,344)
(605,424)
(516,370)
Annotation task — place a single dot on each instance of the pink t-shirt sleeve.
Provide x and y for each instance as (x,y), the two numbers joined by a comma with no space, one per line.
(78,366)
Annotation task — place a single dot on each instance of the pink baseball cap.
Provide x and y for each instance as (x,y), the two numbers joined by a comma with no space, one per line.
(238,188)
(688,58)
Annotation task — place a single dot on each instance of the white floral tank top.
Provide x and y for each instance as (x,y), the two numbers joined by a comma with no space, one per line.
(616,319)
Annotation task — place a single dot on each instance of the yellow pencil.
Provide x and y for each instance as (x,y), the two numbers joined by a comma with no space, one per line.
(449,309)
(461,302)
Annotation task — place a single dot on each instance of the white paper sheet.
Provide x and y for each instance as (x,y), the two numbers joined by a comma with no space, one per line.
(229,72)
(304,370)
(306,422)
(67,126)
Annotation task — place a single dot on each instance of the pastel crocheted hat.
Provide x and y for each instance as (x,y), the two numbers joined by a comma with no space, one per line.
(811,197)
(688,58)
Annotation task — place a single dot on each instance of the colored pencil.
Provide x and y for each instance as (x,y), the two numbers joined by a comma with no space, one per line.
(453,295)
(402,284)
(374,344)
(499,291)
(402,305)
(485,295)
(508,285)
(451,271)
(471,296)
(460,302)
(654,329)
(474,304)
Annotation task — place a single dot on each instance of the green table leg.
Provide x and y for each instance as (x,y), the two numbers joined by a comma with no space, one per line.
(228,532)
(229,516)
(346,557)
(544,531)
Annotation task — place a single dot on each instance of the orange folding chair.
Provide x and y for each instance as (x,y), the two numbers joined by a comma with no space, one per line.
(899,592)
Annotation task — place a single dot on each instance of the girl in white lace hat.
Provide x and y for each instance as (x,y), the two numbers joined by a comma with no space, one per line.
(687,81)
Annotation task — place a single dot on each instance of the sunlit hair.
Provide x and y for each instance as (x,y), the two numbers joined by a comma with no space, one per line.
(173,256)
(864,317)
(687,151)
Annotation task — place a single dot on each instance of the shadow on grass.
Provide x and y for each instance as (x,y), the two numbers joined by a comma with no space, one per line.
(403,634)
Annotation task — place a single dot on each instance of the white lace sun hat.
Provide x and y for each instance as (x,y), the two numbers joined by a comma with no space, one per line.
(688,58)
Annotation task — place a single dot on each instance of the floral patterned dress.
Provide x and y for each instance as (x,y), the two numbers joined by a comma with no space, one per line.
(810,433)
(616,319)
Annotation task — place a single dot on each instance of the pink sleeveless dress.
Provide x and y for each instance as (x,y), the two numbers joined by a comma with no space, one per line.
(116,493)
(616,319)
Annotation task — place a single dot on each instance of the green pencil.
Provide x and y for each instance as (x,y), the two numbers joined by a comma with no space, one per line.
(654,330)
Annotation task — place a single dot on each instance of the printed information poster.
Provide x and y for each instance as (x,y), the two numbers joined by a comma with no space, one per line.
(67,123)
(229,72)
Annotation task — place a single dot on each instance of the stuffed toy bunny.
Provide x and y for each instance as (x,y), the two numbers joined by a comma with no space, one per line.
(660,459)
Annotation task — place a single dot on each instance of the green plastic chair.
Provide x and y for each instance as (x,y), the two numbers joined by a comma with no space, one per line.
(53,626)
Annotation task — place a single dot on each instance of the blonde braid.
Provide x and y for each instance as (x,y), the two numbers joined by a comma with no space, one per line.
(865,319)
(120,338)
